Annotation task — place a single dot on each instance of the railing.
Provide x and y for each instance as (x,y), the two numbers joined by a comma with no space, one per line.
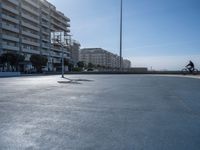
(30,34)
(10,47)
(11,9)
(30,42)
(11,38)
(35,12)
(11,28)
(45,45)
(31,51)
(30,26)
(11,19)
(33,3)
(30,18)
(16,2)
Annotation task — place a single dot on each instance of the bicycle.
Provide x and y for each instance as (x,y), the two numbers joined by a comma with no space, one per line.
(186,71)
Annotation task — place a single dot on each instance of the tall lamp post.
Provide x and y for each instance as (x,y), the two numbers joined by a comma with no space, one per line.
(68,43)
(60,38)
(121,24)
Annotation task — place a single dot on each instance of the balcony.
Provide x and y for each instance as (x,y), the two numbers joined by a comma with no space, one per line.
(45,45)
(10,38)
(10,47)
(59,25)
(66,56)
(30,26)
(54,29)
(56,17)
(33,3)
(68,30)
(45,32)
(30,34)
(30,51)
(10,28)
(35,12)
(11,19)
(45,53)
(16,2)
(10,9)
(45,10)
(31,43)
(44,24)
(45,3)
(30,18)
(58,49)
(57,61)
(68,25)
(45,17)
(45,39)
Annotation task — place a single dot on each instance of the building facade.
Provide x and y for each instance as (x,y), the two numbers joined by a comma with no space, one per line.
(74,51)
(100,57)
(26,26)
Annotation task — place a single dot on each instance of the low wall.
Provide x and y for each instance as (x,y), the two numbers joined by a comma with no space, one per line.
(9,74)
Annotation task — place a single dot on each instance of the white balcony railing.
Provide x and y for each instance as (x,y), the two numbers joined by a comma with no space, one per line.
(30,51)
(16,2)
(11,28)
(30,26)
(31,43)
(30,18)
(10,38)
(30,34)
(11,19)
(33,3)
(10,9)
(10,47)
(45,45)
(35,12)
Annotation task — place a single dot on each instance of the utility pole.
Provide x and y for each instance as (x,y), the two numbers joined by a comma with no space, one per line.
(121,15)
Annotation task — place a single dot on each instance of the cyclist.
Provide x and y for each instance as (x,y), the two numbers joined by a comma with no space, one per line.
(190,66)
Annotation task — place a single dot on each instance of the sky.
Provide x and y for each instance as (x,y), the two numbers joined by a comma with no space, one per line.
(158,34)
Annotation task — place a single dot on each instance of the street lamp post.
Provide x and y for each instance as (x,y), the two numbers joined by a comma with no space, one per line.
(68,42)
(61,38)
(121,15)
(63,67)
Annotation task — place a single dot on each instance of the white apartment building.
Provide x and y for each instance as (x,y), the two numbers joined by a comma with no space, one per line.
(25,27)
(99,56)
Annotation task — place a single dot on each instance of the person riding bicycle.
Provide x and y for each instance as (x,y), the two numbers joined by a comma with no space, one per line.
(190,66)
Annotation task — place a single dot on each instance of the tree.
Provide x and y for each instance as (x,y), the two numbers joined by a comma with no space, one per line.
(10,59)
(19,59)
(1,60)
(71,66)
(38,61)
(81,64)
(90,65)
(66,62)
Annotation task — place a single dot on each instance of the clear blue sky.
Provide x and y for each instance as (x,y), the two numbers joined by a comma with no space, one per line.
(162,34)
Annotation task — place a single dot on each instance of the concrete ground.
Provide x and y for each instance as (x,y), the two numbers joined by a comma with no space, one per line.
(100,112)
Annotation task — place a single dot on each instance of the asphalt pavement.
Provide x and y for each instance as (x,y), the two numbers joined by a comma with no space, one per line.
(100,112)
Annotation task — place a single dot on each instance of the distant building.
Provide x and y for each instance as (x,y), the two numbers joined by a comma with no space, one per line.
(74,51)
(25,27)
(100,57)
(126,64)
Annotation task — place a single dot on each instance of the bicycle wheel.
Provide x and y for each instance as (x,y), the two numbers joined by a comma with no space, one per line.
(184,71)
(195,72)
